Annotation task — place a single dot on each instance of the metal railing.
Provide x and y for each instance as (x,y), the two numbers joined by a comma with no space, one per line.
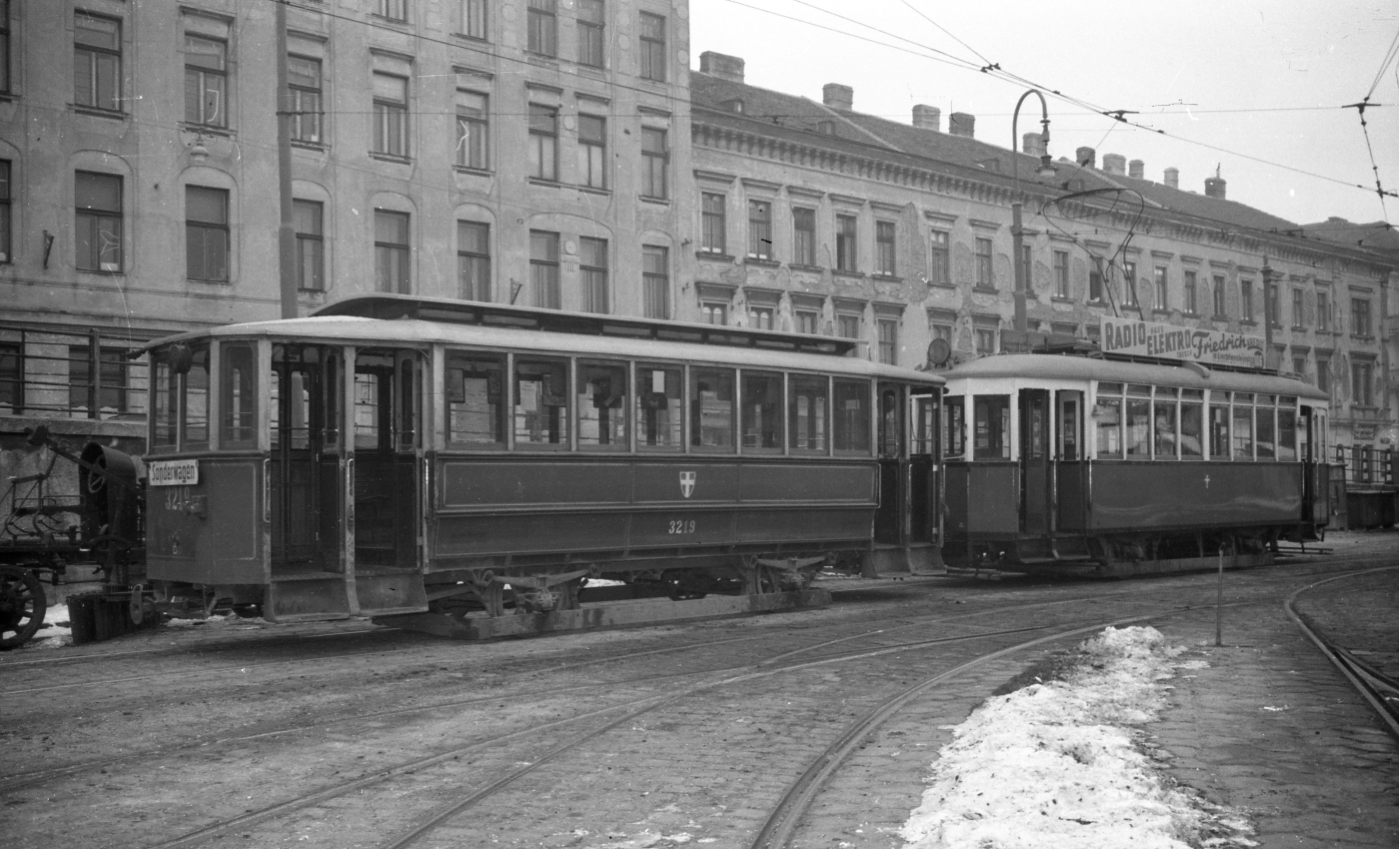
(74,375)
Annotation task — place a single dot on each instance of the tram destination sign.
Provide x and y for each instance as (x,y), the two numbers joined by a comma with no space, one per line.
(1170,341)
(172,472)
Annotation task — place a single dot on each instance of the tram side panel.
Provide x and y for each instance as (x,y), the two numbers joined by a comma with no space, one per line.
(209,532)
(1126,497)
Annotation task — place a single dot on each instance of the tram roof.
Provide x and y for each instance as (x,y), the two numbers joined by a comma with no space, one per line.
(673,341)
(1067,367)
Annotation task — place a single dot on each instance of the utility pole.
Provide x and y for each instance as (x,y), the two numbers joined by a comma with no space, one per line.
(286,231)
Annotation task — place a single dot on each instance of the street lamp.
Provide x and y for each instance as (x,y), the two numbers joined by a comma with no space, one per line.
(1016,230)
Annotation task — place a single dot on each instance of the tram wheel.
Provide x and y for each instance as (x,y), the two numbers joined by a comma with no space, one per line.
(22,606)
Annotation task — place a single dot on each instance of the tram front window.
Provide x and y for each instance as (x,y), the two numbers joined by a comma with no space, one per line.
(238,396)
(196,406)
(992,424)
(1287,429)
(954,428)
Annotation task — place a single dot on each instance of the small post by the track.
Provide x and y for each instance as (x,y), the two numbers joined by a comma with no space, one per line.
(1219,603)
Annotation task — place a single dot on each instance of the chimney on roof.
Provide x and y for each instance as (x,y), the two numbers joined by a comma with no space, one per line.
(1087,157)
(1136,169)
(1173,178)
(724,67)
(1115,163)
(1032,143)
(927,117)
(962,124)
(1214,186)
(838,96)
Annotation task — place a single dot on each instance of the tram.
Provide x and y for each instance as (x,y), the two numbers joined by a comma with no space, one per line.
(1069,461)
(424,460)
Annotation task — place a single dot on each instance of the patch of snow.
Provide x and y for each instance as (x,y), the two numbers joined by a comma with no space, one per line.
(1060,765)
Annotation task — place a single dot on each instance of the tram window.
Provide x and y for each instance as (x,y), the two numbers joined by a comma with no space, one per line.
(407,405)
(1139,422)
(297,428)
(541,403)
(992,421)
(166,402)
(924,425)
(1243,426)
(1219,430)
(891,419)
(711,408)
(1287,429)
(1107,421)
(807,413)
(474,406)
(1163,432)
(368,403)
(1265,426)
(660,400)
(196,406)
(602,405)
(852,415)
(1068,426)
(330,385)
(1192,414)
(762,410)
(954,427)
(237,396)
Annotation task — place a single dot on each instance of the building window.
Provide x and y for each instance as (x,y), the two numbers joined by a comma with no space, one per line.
(112,378)
(760,229)
(544,269)
(1362,374)
(985,340)
(1246,300)
(473,18)
(655,281)
(98,221)
(4,46)
(544,27)
(940,266)
(391,252)
(304,85)
(206,234)
(984,280)
(845,243)
(1360,317)
(712,224)
(803,236)
(394,10)
(11,378)
(593,273)
(473,126)
(96,62)
(653,53)
(1323,375)
(1298,314)
(543,142)
(1323,311)
(591,33)
(474,260)
(848,325)
(807,321)
(206,81)
(1061,274)
(761,316)
(5,255)
(1274,307)
(308,216)
(714,312)
(1095,286)
(1129,284)
(1299,364)
(1220,309)
(592,151)
(390,115)
(653,163)
(885,249)
(888,340)
(1158,285)
(1190,293)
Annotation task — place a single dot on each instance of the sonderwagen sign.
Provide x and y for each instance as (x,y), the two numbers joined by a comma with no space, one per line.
(172,472)
(1201,345)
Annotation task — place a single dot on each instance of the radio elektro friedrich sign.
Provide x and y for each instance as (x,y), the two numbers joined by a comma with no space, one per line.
(1202,345)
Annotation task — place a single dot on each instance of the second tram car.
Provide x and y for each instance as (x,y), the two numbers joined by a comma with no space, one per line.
(1073,464)
(396,455)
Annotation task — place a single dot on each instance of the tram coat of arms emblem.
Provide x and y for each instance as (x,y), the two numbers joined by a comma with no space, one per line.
(687,483)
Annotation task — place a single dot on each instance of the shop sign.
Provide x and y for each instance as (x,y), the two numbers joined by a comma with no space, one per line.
(1132,337)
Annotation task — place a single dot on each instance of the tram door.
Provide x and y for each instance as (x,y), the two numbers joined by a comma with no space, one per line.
(889,521)
(1035,478)
(386,441)
(304,474)
(922,469)
(1316,477)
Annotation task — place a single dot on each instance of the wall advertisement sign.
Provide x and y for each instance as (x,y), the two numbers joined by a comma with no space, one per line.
(1196,344)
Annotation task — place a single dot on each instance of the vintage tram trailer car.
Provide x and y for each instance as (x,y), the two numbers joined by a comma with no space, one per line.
(448,466)
(1082,463)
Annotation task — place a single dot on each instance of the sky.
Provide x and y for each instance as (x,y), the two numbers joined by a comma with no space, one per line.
(1253,89)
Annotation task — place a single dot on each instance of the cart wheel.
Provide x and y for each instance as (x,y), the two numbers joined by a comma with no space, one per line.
(22,605)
